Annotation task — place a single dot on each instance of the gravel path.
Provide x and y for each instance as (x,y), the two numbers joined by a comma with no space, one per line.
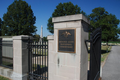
(111,69)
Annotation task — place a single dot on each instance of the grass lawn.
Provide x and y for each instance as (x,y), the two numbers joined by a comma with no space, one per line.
(114,42)
(43,52)
(3,78)
(7,64)
(35,66)
(104,52)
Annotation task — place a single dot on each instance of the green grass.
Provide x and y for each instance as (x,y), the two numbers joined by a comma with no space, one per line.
(35,66)
(112,42)
(7,63)
(3,78)
(104,53)
(44,53)
(41,52)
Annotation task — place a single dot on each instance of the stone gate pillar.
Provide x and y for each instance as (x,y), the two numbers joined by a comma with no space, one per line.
(68,56)
(20,57)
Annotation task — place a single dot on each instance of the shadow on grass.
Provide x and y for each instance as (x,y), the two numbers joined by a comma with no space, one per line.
(10,65)
(102,51)
(113,45)
(7,64)
(40,71)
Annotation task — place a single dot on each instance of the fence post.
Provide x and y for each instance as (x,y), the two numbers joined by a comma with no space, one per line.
(20,57)
(0,51)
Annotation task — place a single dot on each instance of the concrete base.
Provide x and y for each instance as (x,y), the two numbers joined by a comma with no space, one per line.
(16,76)
(6,72)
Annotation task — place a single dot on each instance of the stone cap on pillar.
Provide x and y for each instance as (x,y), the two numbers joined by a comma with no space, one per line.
(21,37)
(50,37)
(67,18)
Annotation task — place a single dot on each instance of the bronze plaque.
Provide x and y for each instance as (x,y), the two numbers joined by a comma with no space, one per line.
(66,40)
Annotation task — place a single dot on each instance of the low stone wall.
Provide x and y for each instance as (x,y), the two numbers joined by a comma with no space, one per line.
(20,59)
(6,72)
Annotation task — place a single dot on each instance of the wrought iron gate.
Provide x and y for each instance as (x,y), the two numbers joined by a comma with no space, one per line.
(37,60)
(95,54)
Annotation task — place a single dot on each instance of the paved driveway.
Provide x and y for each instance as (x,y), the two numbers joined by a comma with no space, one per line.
(111,69)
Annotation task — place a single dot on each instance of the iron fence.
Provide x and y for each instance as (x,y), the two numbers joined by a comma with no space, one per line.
(38,60)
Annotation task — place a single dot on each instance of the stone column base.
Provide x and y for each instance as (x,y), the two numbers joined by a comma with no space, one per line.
(16,76)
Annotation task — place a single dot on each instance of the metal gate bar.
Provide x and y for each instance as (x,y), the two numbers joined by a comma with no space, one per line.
(38,60)
(95,54)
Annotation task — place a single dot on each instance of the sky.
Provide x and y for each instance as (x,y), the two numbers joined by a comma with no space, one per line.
(43,9)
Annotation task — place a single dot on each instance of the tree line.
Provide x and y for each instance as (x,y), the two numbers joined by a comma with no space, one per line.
(98,18)
(20,20)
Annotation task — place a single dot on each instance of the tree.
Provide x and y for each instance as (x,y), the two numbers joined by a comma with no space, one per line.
(19,19)
(0,25)
(108,22)
(63,10)
(37,37)
(4,29)
(45,39)
(119,30)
